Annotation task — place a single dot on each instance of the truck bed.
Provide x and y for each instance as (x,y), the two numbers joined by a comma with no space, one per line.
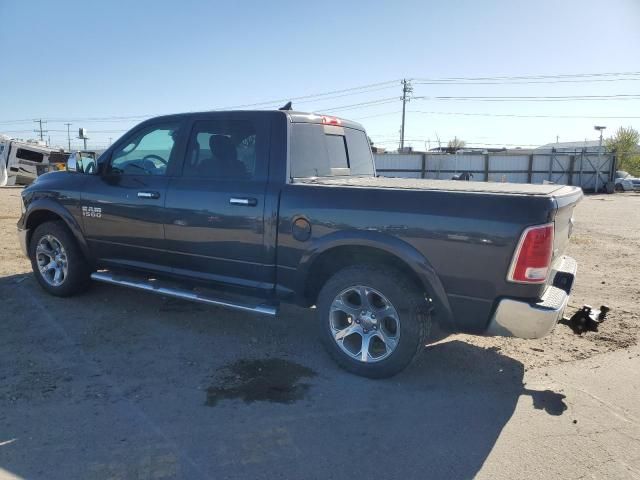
(444,185)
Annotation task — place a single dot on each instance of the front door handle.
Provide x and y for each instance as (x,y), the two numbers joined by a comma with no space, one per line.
(147,194)
(247,202)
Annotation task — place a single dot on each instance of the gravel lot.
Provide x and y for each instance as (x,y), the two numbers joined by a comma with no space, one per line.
(121,384)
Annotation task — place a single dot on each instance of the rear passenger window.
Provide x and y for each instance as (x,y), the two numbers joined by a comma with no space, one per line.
(222,149)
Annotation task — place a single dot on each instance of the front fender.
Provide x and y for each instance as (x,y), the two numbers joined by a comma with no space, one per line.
(42,208)
(394,246)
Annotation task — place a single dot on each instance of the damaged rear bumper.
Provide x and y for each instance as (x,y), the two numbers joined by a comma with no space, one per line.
(517,318)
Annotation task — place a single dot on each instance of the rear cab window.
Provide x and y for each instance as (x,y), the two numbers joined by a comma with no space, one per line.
(318,150)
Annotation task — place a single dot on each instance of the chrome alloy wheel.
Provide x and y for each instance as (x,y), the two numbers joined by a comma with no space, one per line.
(364,324)
(52,260)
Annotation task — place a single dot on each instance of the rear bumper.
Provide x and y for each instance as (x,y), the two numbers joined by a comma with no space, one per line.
(517,318)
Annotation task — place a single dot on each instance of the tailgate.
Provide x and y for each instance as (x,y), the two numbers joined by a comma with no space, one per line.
(566,200)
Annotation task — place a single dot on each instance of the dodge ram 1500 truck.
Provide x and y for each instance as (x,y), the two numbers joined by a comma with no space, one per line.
(249,209)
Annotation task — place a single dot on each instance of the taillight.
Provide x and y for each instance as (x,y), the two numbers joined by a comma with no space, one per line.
(326,120)
(532,258)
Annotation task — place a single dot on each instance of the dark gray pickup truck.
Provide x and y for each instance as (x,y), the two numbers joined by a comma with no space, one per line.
(248,209)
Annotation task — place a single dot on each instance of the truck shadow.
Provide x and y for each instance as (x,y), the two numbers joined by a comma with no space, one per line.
(136,394)
(442,417)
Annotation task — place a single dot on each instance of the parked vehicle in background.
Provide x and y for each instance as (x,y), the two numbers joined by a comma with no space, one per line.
(21,162)
(624,182)
(283,206)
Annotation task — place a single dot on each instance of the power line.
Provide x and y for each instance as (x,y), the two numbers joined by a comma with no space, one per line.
(353,91)
(371,103)
(362,89)
(531,77)
(316,95)
(510,115)
(528,82)
(538,98)
(395,112)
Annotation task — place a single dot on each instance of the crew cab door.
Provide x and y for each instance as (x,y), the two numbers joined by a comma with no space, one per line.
(123,206)
(216,206)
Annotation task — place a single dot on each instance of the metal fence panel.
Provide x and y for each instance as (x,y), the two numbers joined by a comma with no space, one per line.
(574,168)
(508,162)
(399,165)
(508,168)
(588,164)
(508,177)
(400,161)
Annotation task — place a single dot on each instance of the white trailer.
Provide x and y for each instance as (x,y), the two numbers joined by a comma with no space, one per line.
(21,162)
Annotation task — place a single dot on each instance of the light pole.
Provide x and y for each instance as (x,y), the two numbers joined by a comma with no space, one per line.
(599,128)
(82,135)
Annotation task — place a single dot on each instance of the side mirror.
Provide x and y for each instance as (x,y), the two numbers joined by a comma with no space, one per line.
(82,162)
(72,163)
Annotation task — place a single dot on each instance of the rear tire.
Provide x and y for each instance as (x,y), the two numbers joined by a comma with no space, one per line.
(375,309)
(57,261)
(619,187)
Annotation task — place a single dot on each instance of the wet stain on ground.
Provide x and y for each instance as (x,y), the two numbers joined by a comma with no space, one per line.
(266,380)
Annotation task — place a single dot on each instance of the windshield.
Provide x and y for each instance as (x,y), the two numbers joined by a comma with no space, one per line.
(622,174)
(317,151)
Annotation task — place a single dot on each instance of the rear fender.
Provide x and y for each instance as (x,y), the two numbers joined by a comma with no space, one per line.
(393,246)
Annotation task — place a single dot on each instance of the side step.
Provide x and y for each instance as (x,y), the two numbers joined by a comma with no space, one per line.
(154,287)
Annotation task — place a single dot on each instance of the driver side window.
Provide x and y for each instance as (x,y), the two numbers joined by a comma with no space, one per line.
(146,153)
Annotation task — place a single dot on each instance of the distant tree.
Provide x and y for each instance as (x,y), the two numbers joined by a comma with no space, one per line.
(455,145)
(625,145)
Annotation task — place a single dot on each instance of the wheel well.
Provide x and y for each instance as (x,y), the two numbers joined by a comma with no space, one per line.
(37,218)
(337,258)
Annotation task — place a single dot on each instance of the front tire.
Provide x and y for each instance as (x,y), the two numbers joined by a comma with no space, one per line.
(56,260)
(373,321)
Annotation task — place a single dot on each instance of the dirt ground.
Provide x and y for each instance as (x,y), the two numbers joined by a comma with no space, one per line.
(121,384)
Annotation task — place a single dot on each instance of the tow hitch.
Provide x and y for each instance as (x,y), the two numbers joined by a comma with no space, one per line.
(586,320)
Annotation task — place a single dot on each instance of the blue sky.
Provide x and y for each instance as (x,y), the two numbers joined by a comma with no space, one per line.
(73,61)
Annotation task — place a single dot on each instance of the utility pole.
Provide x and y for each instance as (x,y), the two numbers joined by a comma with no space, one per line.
(40,131)
(68,135)
(406,89)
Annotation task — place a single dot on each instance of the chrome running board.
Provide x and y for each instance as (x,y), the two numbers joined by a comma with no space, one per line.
(154,287)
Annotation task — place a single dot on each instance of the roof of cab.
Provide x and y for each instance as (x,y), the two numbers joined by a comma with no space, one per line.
(293,116)
(305,117)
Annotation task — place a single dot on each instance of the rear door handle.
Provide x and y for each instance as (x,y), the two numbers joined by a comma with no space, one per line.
(247,202)
(147,194)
